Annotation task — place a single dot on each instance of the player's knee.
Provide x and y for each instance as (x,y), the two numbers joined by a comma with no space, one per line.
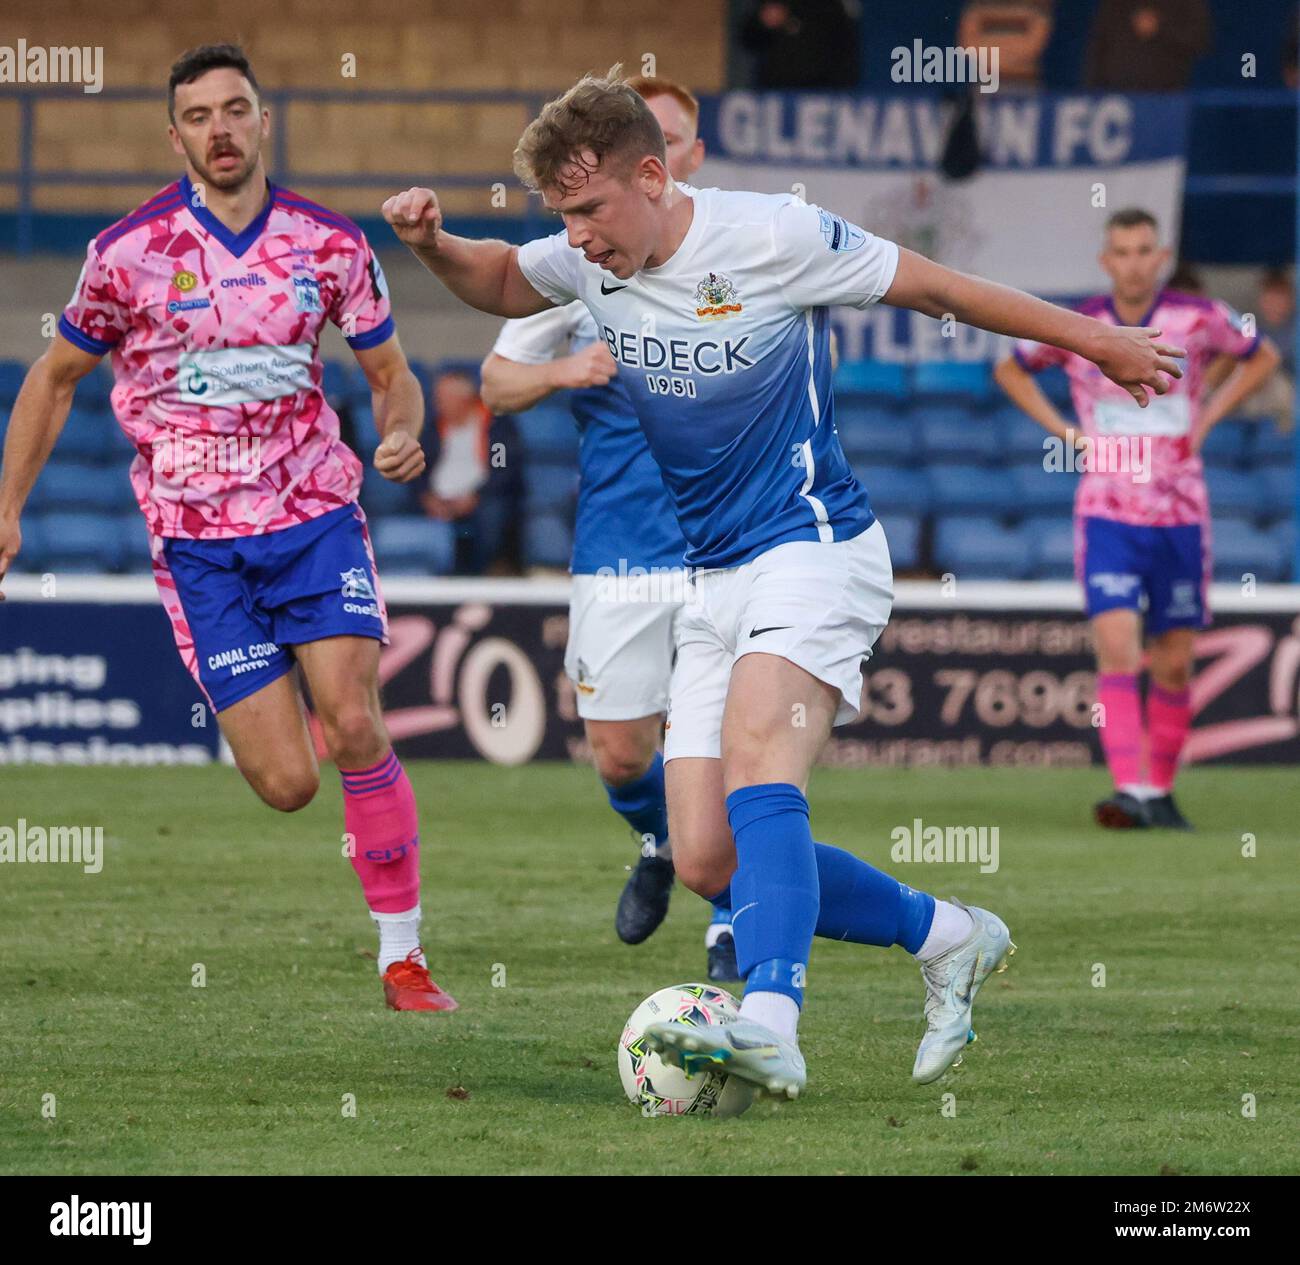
(354,735)
(288,790)
(706,875)
(1171,676)
(621,758)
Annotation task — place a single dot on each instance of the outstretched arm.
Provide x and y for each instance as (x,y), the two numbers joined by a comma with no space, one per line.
(484,274)
(1128,356)
(37,418)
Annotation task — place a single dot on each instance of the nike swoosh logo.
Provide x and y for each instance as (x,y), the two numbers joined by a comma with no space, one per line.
(604,289)
(758,632)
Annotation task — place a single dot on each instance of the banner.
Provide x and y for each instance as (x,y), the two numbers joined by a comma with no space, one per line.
(1004,678)
(1053,167)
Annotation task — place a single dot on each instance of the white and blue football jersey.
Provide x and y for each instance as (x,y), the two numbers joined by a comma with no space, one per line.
(724,351)
(625,517)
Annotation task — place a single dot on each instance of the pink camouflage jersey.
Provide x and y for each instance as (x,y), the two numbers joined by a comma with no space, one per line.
(214,338)
(1174,493)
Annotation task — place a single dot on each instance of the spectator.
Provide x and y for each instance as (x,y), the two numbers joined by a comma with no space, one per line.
(1018,29)
(804,43)
(1275,319)
(1146,45)
(471,482)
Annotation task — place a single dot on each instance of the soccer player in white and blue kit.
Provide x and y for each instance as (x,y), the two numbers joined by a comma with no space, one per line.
(714,305)
(628,576)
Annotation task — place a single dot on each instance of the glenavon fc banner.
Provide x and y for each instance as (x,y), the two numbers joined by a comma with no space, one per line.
(1050,169)
(1003,676)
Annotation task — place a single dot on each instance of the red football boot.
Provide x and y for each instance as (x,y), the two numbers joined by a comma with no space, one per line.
(407,986)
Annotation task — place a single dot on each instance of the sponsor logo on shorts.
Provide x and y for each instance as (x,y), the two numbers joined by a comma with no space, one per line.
(1183,603)
(583,683)
(356,584)
(241,659)
(1113,583)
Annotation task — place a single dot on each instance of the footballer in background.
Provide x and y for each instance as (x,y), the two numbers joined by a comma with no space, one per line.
(621,635)
(210,298)
(1142,511)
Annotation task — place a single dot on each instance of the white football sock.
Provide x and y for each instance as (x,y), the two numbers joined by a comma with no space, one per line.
(715,932)
(773,1010)
(950,927)
(398,935)
(1140,791)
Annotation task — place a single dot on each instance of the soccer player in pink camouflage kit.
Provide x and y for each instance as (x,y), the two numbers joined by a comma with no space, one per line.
(1142,514)
(211,297)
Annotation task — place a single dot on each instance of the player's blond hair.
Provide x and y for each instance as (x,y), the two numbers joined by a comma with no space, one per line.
(600,123)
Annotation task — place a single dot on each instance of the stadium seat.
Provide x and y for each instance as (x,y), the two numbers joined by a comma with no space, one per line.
(382,498)
(549,433)
(980,548)
(1056,386)
(1018,436)
(1051,543)
(903,532)
(95,389)
(80,542)
(1285,535)
(951,378)
(413,545)
(77,486)
(550,486)
(871,431)
(870,378)
(1277,486)
(31,557)
(1240,549)
(547,541)
(1234,494)
(1035,490)
(339,381)
(951,432)
(1272,446)
(1229,444)
(969,489)
(133,541)
(12,373)
(87,436)
(896,488)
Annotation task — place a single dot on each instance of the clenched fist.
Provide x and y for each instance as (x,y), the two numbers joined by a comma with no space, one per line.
(400,457)
(415,217)
(593,366)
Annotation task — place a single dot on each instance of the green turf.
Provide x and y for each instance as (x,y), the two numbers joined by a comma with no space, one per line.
(522,868)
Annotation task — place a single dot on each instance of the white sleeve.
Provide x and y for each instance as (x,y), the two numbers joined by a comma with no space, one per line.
(536,340)
(822,260)
(550,266)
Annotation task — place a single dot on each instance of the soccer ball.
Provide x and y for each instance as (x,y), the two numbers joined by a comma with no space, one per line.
(660,1088)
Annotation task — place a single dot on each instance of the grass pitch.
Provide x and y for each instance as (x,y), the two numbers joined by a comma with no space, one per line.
(522,867)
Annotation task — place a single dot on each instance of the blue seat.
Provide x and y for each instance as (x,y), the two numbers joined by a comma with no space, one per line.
(1240,549)
(87,436)
(1051,541)
(1229,444)
(1021,437)
(872,378)
(980,548)
(903,532)
(12,373)
(949,432)
(133,541)
(1234,494)
(870,431)
(80,542)
(952,378)
(1272,446)
(547,541)
(896,488)
(1035,490)
(382,498)
(970,489)
(31,557)
(1055,384)
(1285,535)
(95,389)
(1277,490)
(550,486)
(413,545)
(549,432)
(339,382)
(77,486)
